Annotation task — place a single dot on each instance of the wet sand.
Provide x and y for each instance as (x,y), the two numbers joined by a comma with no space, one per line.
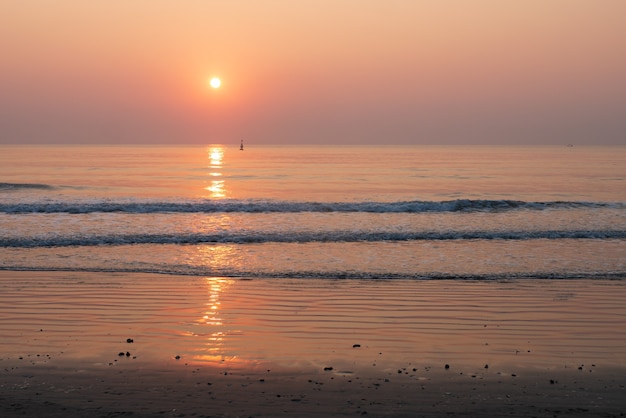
(104,344)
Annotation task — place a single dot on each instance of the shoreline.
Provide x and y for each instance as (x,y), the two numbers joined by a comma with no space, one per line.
(284,347)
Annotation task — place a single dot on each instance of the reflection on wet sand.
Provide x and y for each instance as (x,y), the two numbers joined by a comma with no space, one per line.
(214,332)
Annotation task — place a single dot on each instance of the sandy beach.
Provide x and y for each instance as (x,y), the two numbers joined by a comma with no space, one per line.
(105,344)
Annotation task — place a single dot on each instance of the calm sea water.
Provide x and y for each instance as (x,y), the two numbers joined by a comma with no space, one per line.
(316,212)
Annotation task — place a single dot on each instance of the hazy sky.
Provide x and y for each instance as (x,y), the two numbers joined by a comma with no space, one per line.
(313,71)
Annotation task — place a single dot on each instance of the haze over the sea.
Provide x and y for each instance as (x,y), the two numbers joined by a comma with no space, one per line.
(314,72)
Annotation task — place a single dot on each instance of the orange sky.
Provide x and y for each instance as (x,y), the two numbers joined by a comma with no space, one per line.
(313,71)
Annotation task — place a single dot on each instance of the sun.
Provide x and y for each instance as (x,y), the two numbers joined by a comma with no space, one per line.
(215,82)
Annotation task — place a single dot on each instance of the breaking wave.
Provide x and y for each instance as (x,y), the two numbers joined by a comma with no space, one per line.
(21,186)
(259,237)
(266,206)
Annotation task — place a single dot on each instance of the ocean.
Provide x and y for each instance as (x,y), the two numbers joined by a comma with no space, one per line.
(316,212)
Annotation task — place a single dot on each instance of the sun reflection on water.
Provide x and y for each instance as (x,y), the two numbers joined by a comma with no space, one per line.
(217,187)
(216,155)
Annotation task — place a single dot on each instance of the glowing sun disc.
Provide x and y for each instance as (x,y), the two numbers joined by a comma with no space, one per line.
(215,82)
